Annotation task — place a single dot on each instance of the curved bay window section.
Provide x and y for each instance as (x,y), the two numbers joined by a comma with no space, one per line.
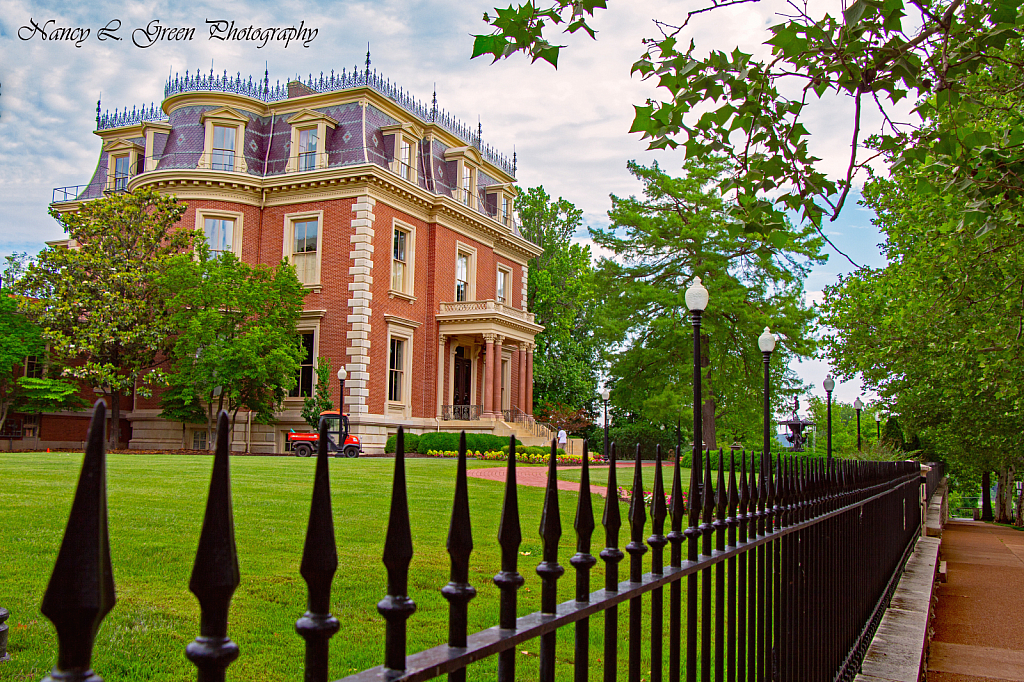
(219,235)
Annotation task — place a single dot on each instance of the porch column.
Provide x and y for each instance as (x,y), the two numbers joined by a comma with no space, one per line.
(496,377)
(440,372)
(489,375)
(521,397)
(529,379)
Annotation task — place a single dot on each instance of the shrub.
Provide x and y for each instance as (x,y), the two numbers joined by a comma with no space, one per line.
(447,441)
(412,443)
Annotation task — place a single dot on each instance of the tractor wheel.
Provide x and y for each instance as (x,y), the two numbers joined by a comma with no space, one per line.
(351,451)
(303,450)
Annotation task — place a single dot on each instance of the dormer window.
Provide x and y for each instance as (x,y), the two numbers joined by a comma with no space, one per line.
(404,157)
(307,149)
(469,160)
(309,140)
(122,157)
(467,184)
(225,136)
(122,164)
(506,211)
(401,140)
(223,157)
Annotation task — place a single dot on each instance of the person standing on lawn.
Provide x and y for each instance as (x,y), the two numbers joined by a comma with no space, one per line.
(563,440)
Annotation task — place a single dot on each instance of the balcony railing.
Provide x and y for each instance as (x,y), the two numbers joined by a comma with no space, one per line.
(487,305)
(461,412)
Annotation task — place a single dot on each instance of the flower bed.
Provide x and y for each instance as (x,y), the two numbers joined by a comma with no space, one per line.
(525,458)
(625,494)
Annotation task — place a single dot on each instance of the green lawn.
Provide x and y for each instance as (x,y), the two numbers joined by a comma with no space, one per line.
(156,504)
(624,474)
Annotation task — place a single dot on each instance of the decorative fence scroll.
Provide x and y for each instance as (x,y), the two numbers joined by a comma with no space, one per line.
(790,565)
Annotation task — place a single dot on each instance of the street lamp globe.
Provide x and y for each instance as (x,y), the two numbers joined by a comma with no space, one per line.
(605,395)
(342,374)
(857,404)
(829,384)
(766,342)
(697,296)
(878,416)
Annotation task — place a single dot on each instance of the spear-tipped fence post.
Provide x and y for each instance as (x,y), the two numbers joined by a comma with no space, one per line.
(81,589)
(752,568)
(636,549)
(692,535)
(508,580)
(675,536)
(706,530)
(720,527)
(741,569)
(657,541)
(549,569)
(583,561)
(318,566)
(458,591)
(215,572)
(396,607)
(611,555)
(4,615)
(732,523)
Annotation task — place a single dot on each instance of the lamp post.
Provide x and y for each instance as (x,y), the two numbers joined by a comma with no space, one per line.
(878,426)
(829,384)
(342,375)
(605,395)
(858,405)
(697,300)
(766,342)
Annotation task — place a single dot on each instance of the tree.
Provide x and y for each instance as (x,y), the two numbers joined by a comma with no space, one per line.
(20,339)
(560,416)
(755,112)
(938,332)
(677,231)
(97,301)
(560,294)
(236,345)
(321,400)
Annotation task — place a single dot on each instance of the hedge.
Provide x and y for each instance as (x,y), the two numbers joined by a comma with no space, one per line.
(412,443)
(445,440)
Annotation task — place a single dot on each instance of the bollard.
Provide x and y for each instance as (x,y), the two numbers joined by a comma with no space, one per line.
(4,615)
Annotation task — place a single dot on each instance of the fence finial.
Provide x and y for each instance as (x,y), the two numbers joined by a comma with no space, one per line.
(81,590)
(458,591)
(508,580)
(396,607)
(549,569)
(215,571)
(317,568)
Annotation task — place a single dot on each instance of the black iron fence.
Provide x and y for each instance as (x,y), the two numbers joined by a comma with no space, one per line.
(932,478)
(789,567)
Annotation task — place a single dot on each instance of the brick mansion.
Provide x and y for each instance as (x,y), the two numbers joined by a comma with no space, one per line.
(400,223)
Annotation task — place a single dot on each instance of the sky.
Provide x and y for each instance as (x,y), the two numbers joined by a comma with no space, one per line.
(568,127)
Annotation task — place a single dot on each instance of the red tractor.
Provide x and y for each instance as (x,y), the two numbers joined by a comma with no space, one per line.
(305,444)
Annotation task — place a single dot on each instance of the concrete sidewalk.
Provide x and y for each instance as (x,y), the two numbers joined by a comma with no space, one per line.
(979,621)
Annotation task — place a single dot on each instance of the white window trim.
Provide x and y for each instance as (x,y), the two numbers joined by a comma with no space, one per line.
(289,240)
(228,118)
(462,247)
(507,272)
(306,120)
(411,134)
(305,326)
(404,330)
(236,235)
(409,291)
